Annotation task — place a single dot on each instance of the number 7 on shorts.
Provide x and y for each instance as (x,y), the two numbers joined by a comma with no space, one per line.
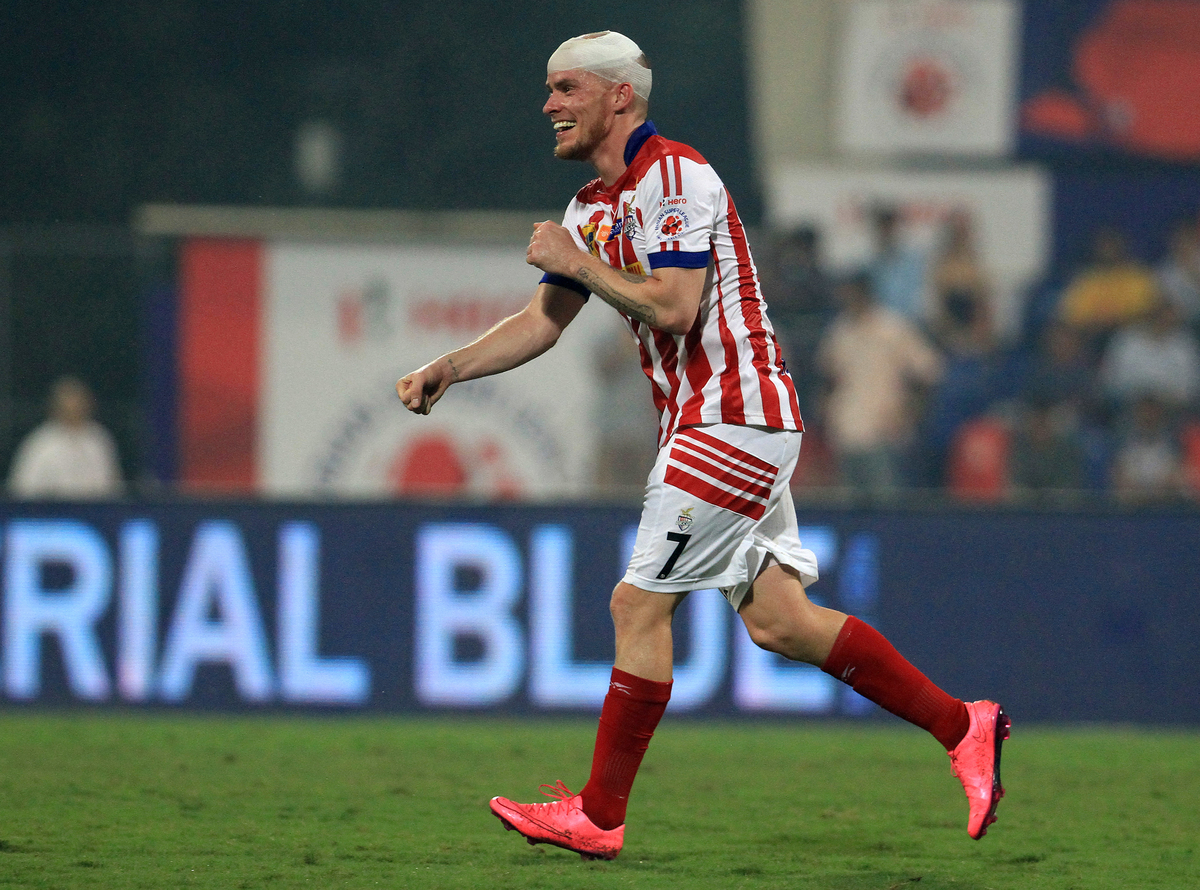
(680,541)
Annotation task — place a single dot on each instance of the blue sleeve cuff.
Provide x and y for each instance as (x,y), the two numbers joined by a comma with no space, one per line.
(681,259)
(568,283)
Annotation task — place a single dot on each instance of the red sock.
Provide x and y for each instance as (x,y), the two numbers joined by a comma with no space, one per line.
(632,709)
(863,658)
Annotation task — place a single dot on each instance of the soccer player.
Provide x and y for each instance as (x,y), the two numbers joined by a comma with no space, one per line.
(657,237)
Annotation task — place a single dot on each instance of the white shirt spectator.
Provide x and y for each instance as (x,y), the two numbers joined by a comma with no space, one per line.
(1159,358)
(1179,272)
(873,359)
(69,455)
(58,461)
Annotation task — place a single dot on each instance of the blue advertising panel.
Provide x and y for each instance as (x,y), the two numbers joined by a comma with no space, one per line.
(405,607)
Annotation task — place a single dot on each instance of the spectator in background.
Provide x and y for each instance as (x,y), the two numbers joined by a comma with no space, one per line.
(69,455)
(1148,466)
(800,300)
(1060,374)
(976,378)
(1113,290)
(874,360)
(1157,357)
(1062,379)
(1179,272)
(800,286)
(961,311)
(624,415)
(898,271)
(1047,454)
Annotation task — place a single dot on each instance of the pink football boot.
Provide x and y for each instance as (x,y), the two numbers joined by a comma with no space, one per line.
(561,822)
(976,762)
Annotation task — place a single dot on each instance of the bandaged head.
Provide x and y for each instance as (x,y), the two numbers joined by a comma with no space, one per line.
(608,55)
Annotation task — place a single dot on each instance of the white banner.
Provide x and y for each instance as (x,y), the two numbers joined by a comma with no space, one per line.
(343,322)
(929,76)
(1009,212)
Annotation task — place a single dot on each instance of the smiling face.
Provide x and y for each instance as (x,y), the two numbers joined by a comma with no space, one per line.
(580,107)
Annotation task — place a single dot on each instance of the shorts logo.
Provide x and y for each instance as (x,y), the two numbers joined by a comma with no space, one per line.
(684,521)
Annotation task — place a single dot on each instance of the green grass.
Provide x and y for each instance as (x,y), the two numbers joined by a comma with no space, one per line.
(102,800)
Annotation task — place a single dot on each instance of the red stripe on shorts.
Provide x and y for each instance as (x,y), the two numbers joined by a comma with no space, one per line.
(708,492)
(706,452)
(737,454)
(719,474)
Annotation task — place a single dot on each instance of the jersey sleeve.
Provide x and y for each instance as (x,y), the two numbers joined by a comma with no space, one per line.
(570,223)
(679,199)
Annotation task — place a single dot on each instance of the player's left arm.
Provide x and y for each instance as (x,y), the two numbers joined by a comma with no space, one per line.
(667,300)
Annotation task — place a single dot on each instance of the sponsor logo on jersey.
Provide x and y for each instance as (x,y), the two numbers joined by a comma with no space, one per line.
(685,519)
(676,201)
(589,232)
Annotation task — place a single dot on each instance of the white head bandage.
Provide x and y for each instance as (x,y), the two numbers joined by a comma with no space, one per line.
(608,55)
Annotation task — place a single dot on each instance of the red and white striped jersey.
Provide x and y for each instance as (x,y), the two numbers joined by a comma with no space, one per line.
(669,208)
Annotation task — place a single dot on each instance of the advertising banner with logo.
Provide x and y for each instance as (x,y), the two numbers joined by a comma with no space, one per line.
(343,323)
(1008,212)
(1111,78)
(290,352)
(929,76)
(410,607)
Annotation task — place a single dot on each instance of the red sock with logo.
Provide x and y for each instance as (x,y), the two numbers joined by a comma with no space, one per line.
(632,709)
(863,659)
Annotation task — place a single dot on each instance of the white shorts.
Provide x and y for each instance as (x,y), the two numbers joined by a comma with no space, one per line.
(718,504)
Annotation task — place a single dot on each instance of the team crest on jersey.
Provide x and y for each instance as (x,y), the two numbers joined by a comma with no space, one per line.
(628,220)
(685,519)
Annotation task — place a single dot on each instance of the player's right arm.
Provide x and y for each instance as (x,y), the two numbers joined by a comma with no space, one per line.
(511,343)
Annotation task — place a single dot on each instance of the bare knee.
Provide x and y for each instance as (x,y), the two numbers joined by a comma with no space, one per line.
(635,611)
(638,613)
(785,638)
(642,621)
(781,618)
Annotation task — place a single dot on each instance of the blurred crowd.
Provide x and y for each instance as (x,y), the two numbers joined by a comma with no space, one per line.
(907,382)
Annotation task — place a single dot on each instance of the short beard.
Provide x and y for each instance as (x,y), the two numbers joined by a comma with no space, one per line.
(581,147)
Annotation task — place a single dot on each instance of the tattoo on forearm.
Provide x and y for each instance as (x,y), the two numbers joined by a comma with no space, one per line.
(453,369)
(637,311)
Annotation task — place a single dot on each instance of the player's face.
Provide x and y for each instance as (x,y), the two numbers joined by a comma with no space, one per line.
(579,109)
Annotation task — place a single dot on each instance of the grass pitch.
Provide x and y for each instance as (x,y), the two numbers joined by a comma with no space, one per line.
(107,801)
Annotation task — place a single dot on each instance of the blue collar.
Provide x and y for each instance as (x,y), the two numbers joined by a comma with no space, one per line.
(637,139)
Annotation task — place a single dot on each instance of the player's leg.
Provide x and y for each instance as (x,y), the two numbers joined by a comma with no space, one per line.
(642,626)
(592,822)
(705,493)
(781,618)
(637,697)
